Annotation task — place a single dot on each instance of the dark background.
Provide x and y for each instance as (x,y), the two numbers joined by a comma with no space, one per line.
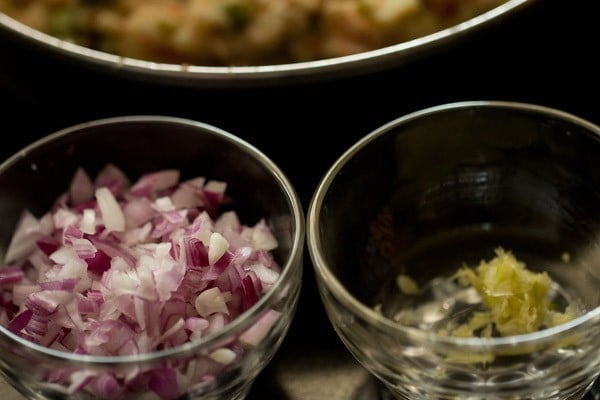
(544,54)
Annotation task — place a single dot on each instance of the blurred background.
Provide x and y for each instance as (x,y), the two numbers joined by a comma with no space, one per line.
(543,54)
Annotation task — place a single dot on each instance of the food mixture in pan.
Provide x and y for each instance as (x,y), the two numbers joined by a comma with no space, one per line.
(240,32)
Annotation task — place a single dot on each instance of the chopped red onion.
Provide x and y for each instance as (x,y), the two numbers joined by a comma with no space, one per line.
(112,215)
(149,184)
(81,188)
(122,269)
(113,178)
(11,274)
(211,301)
(223,355)
(24,238)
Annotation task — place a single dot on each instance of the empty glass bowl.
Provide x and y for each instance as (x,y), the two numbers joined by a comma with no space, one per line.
(219,365)
(402,210)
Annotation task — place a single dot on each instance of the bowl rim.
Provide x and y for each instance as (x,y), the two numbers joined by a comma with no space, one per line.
(237,326)
(327,281)
(240,76)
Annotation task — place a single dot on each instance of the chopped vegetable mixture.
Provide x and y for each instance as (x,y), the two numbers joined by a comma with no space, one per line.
(116,269)
(240,32)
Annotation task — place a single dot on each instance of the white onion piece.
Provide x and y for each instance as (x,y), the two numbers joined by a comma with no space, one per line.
(223,355)
(47,224)
(84,248)
(113,217)
(262,238)
(137,235)
(212,301)
(163,204)
(216,187)
(189,194)
(217,246)
(228,222)
(154,182)
(202,228)
(176,327)
(63,218)
(87,224)
(266,275)
(137,212)
(79,379)
(63,255)
(23,240)
(113,178)
(216,322)
(196,326)
(81,188)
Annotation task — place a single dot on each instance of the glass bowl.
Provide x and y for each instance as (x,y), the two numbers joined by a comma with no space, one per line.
(405,207)
(35,176)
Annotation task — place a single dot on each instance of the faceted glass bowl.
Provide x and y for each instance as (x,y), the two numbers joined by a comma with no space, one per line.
(34,177)
(444,186)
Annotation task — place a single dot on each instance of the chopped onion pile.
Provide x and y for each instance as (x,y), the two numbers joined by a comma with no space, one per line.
(117,269)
